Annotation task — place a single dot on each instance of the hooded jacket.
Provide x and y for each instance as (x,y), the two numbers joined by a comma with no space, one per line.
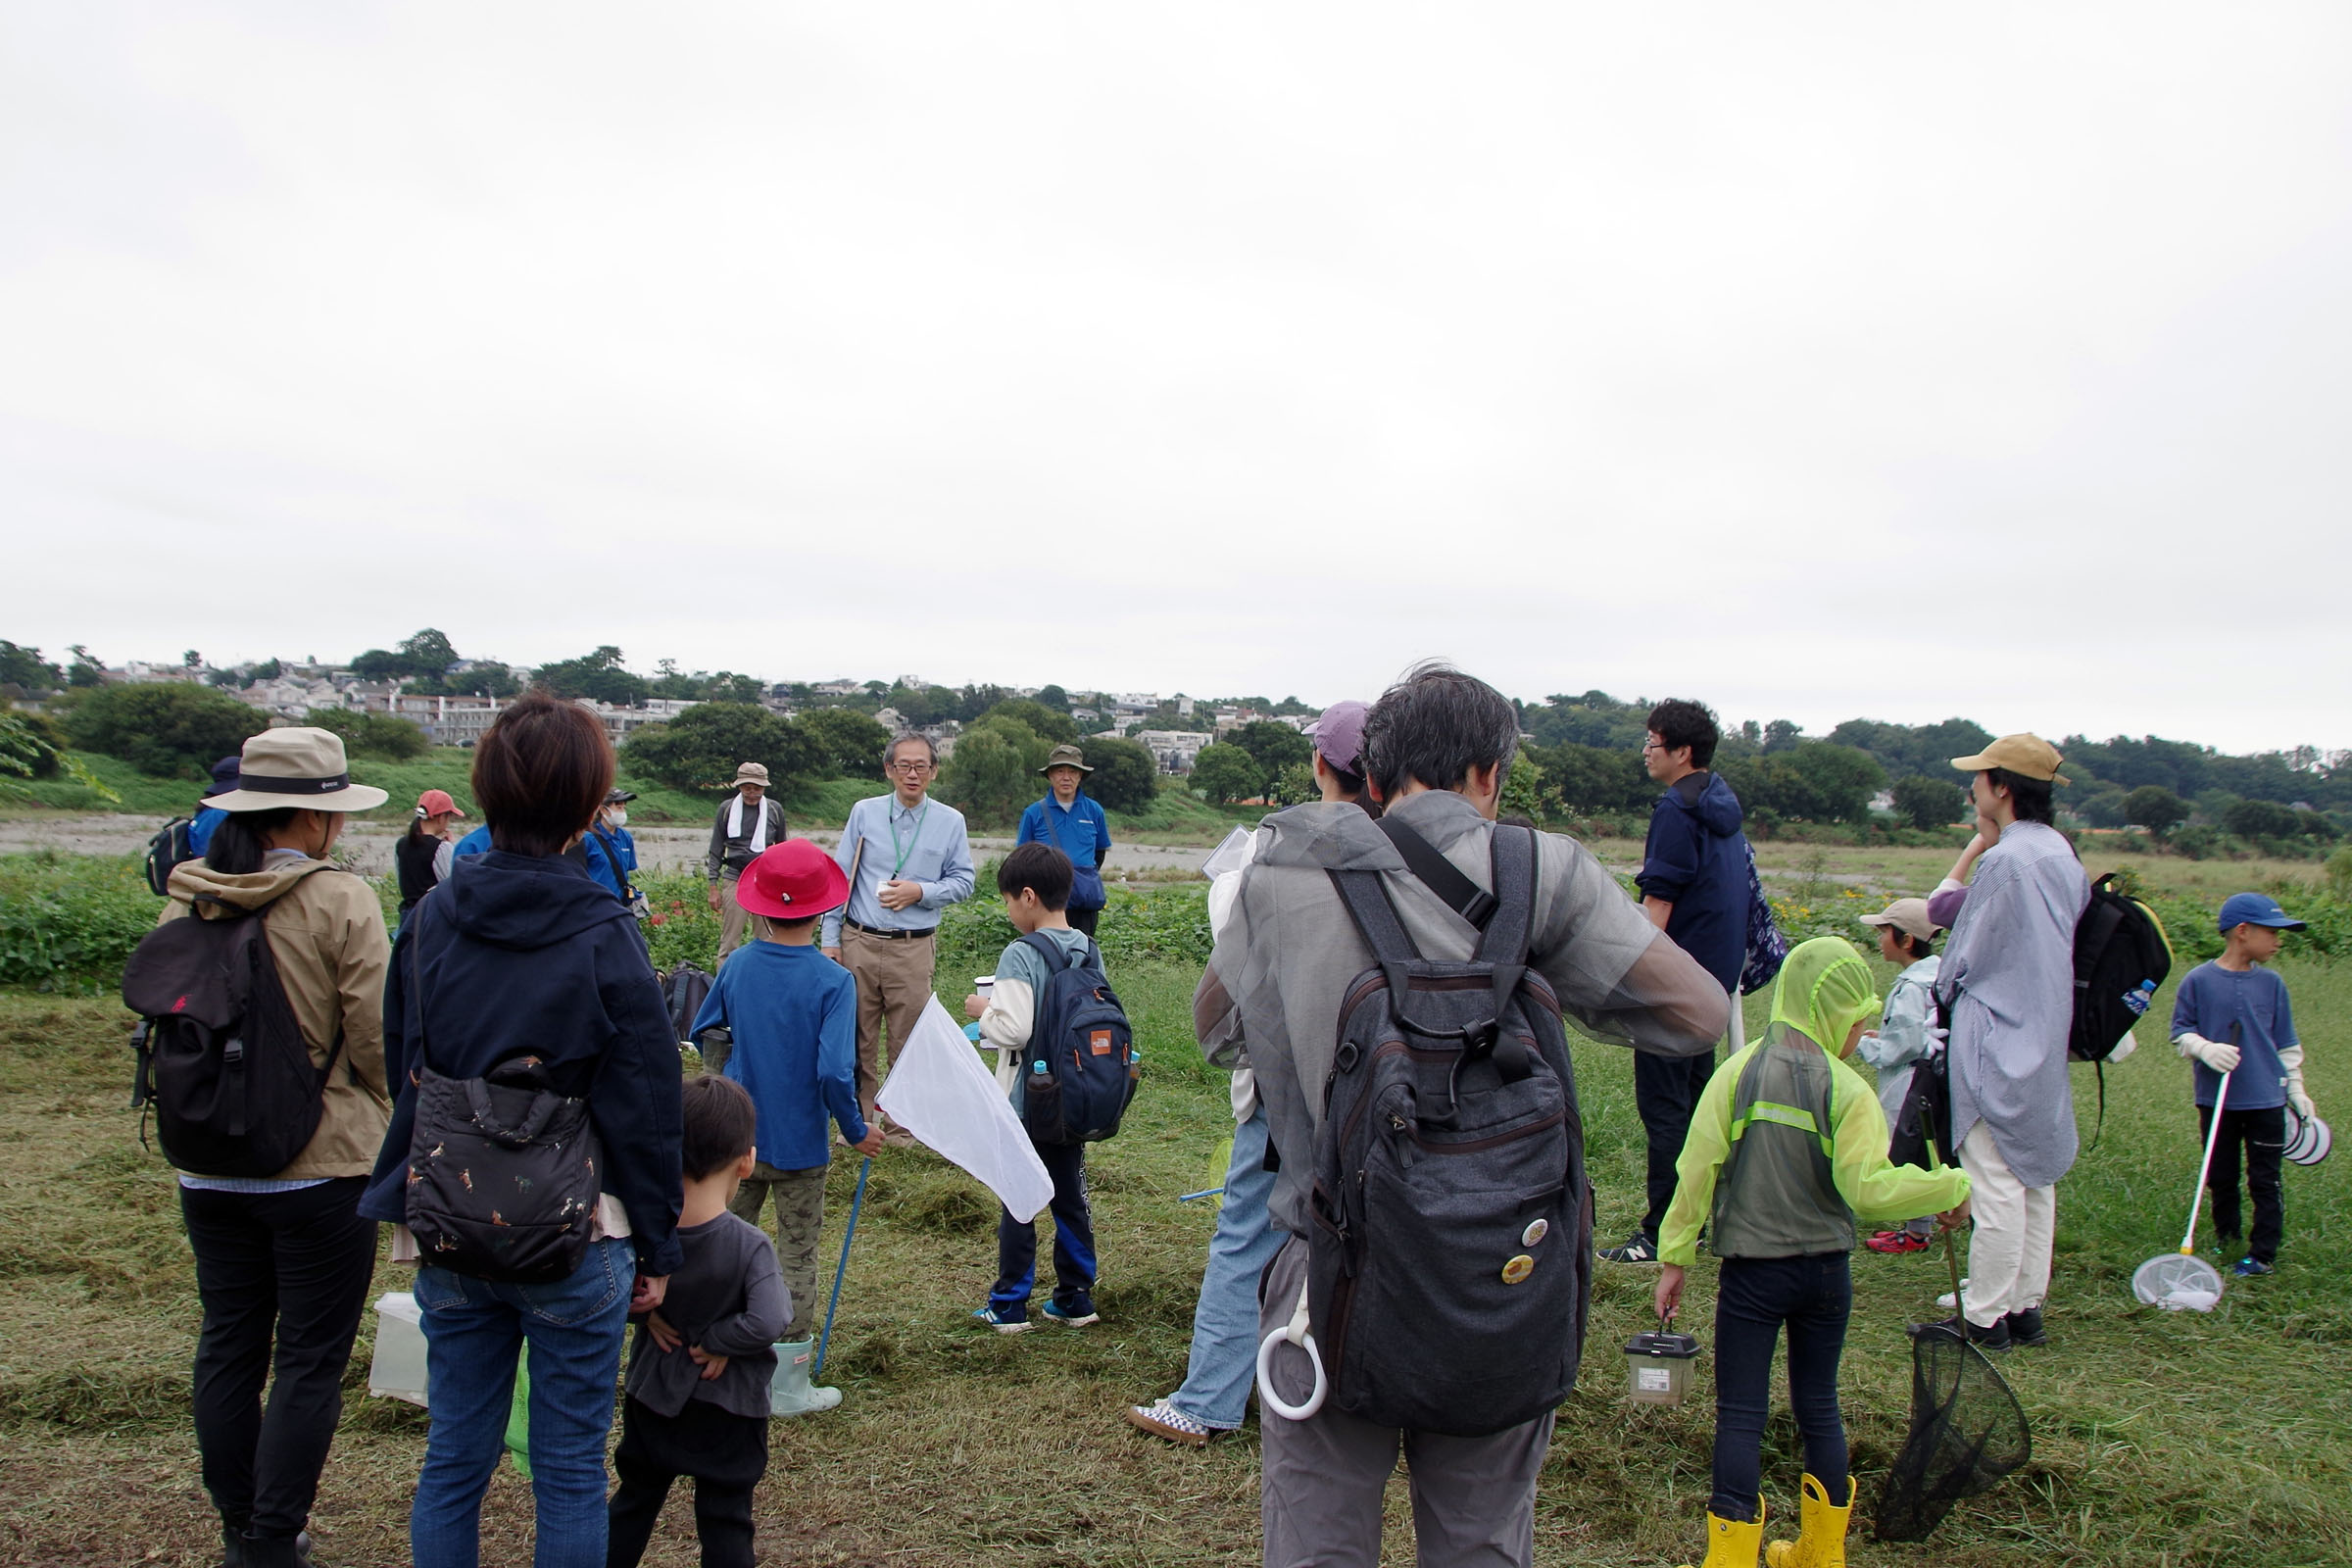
(325,931)
(1696,858)
(1274,984)
(518,954)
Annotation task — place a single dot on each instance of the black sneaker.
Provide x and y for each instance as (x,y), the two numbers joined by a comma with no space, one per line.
(2024,1328)
(1993,1340)
(1636,1248)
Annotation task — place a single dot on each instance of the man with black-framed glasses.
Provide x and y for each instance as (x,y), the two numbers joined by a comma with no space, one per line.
(907,857)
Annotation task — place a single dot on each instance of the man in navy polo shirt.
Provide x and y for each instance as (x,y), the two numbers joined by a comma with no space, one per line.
(1074,824)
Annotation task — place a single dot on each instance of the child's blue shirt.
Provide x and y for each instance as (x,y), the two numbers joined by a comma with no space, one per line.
(2212,1000)
(794,1014)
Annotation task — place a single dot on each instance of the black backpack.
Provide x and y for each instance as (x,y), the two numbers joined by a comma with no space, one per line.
(166,850)
(2121,956)
(503,1181)
(1448,1258)
(1080,1070)
(220,1057)
(683,993)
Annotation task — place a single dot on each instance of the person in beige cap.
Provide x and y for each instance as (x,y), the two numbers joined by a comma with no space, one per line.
(745,826)
(1907,940)
(2007,984)
(283,1261)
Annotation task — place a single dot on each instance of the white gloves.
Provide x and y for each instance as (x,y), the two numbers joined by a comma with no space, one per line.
(2124,1046)
(2217,1054)
(2292,1059)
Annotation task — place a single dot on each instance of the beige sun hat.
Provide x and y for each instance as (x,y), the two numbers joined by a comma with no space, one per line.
(2027,756)
(751,773)
(297,766)
(1067,757)
(1907,915)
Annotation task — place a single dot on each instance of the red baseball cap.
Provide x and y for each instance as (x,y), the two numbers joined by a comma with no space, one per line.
(436,803)
(792,881)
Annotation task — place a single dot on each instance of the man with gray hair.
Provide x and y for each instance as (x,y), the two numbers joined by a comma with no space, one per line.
(907,857)
(1438,745)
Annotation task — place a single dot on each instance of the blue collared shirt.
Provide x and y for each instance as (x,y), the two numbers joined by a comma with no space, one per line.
(884,839)
(1080,831)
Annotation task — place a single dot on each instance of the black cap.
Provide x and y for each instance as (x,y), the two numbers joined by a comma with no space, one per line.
(224,776)
(616,797)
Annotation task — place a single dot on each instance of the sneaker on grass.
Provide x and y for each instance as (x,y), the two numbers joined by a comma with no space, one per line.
(1071,1317)
(1004,1320)
(1896,1241)
(1635,1248)
(1163,1420)
(2246,1268)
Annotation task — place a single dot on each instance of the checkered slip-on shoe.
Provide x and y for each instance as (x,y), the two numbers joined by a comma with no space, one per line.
(1163,1420)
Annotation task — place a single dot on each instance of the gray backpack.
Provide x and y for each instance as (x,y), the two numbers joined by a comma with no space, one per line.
(1447,1264)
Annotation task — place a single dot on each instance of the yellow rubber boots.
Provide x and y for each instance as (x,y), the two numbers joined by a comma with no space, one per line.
(1732,1543)
(1821,1531)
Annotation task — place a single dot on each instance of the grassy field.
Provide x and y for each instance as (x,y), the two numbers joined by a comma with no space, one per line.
(2158,1440)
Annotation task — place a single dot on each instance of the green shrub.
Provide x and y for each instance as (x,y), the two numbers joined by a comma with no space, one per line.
(69,921)
(163,728)
(1224,773)
(380,735)
(701,749)
(1125,778)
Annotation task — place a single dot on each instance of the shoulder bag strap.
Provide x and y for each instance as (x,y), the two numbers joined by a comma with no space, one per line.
(1438,874)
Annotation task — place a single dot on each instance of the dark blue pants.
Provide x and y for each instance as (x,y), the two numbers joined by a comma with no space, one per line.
(1073,1240)
(1754,1297)
(1666,1091)
(2263,1133)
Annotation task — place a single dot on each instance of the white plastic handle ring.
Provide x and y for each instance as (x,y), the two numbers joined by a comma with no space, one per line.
(1265,1377)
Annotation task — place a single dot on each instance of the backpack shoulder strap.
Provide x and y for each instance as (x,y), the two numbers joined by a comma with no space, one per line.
(1510,928)
(1051,951)
(1438,874)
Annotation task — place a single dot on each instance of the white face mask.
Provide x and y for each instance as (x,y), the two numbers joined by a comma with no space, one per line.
(618,818)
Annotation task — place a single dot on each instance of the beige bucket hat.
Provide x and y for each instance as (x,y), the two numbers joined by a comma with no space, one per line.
(751,773)
(297,766)
(1067,757)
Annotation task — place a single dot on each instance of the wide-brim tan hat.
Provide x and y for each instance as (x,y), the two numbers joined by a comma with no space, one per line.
(751,773)
(2027,756)
(297,766)
(1907,915)
(1067,757)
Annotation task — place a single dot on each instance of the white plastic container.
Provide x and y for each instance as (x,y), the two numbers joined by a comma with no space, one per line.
(397,1370)
(985,985)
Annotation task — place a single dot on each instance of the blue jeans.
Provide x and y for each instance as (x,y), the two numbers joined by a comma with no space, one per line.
(473,1331)
(1754,1297)
(1217,1380)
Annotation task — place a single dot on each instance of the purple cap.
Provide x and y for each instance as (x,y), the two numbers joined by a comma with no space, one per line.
(1340,736)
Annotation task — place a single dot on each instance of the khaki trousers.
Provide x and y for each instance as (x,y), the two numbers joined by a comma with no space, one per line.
(894,981)
(731,918)
(800,1219)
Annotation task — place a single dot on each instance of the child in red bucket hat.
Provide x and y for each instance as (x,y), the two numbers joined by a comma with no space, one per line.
(794,1015)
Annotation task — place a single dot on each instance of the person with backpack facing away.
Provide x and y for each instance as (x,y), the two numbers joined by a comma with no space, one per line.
(1034,881)
(522,968)
(183,838)
(1787,1150)
(209,815)
(285,1257)
(1073,823)
(1438,745)
(2007,986)
(424,855)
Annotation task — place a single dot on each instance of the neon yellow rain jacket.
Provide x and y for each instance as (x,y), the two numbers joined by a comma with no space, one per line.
(1787,1148)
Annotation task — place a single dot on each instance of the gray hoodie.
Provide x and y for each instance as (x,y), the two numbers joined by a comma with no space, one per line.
(1274,982)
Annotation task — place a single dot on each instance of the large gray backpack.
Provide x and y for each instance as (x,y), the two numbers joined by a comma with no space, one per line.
(1447,1264)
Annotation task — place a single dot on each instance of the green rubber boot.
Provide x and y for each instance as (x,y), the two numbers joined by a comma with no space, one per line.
(791,1394)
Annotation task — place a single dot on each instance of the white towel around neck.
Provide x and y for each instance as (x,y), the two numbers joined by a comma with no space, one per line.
(735,823)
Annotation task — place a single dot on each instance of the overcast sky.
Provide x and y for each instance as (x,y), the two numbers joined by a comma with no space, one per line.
(1818,361)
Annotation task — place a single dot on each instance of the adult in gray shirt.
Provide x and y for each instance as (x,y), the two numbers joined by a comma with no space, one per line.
(1438,745)
(2008,978)
(746,825)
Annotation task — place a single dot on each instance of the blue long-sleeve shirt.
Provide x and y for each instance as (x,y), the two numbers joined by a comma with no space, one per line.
(885,840)
(2247,1007)
(794,1014)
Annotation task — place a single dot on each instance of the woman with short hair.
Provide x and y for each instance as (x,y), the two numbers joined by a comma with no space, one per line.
(521,955)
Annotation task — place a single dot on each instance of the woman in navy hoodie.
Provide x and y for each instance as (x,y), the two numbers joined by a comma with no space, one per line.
(520,953)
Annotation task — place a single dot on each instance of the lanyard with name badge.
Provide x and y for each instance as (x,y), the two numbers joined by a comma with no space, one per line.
(908,848)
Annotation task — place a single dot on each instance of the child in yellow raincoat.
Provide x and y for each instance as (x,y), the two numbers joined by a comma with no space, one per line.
(1786,1151)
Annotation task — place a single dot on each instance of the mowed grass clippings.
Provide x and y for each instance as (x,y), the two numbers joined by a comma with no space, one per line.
(2176,1440)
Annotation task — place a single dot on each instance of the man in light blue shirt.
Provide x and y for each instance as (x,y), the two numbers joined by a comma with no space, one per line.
(907,858)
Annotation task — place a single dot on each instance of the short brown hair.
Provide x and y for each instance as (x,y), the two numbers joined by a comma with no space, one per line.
(540,774)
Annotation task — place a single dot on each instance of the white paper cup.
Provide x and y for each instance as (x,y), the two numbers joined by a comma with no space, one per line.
(985,984)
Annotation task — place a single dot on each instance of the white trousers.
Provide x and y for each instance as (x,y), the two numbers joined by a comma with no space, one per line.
(2009,1255)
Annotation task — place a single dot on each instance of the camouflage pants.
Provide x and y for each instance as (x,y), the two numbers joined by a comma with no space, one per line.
(800,1221)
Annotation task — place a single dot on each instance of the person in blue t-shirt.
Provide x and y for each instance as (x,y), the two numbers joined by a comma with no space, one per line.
(794,1014)
(1074,824)
(2232,1020)
(209,817)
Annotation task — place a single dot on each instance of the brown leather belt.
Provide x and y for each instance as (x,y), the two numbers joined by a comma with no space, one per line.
(891,936)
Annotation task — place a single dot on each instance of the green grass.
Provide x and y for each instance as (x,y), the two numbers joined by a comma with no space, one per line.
(2158,1440)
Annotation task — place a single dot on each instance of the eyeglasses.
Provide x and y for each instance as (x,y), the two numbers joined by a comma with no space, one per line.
(910,767)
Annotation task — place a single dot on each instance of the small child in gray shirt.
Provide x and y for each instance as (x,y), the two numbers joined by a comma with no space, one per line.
(700,1370)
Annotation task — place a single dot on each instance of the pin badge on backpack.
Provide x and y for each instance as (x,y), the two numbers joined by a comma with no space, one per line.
(1537,1230)
(1518,1269)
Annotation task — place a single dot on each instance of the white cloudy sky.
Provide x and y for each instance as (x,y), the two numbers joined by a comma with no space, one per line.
(1817,361)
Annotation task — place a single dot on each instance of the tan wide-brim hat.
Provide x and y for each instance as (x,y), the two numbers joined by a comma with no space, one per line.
(751,773)
(1907,915)
(1067,757)
(2027,756)
(297,766)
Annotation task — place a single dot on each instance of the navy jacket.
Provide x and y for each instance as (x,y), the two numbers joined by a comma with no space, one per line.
(1696,859)
(516,954)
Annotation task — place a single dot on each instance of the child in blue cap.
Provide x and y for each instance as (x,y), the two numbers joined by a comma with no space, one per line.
(2232,1020)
